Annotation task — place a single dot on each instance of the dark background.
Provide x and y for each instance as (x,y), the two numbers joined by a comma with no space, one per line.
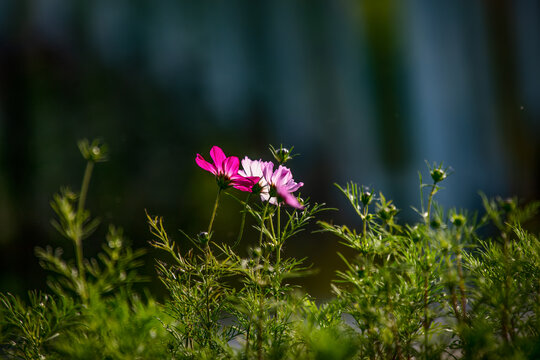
(364,90)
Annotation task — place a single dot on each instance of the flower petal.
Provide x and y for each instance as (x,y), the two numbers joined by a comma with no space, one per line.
(230,166)
(267,170)
(265,196)
(243,183)
(247,180)
(289,199)
(281,176)
(292,187)
(242,187)
(218,156)
(246,167)
(205,164)
(254,179)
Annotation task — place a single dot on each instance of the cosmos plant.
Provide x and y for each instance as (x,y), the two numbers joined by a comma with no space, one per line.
(434,288)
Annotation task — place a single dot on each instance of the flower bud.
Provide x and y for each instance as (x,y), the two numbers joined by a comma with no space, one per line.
(95,151)
(438,175)
(257,252)
(366,196)
(458,220)
(360,271)
(415,234)
(203,237)
(281,154)
(387,213)
(435,223)
(508,204)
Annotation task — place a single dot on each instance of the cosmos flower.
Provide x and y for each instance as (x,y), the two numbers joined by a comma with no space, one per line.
(254,168)
(225,169)
(281,186)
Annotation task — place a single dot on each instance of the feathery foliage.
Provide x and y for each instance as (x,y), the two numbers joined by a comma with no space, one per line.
(438,288)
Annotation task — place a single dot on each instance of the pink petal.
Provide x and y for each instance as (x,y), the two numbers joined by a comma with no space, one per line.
(205,164)
(243,183)
(287,175)
(242,187)
(289,199)
(265,196)
(246,168)
(218,156)
(244,179)
(267,170)
(281,175)
(294,186)
(253,179)
(230,166)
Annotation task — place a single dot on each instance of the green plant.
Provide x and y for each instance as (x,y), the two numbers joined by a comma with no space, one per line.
(437,288)
(93,310)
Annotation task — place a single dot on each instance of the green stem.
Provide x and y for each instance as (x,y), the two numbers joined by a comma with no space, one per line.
(260,327)
(433,187)
(248,332)
(272,228)
(426,324)
(461,286)
(278,247)
(84,187)
(365,223)
(454,304)
(216,204)
(394,327)
(506,327)
(263,219)
(78,237)
(79,254)
(279,223)
(242,222)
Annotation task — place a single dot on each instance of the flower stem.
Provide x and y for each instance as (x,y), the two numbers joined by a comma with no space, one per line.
(364,221)
(216,204)
(461,286)
(272,229)
(278,247)
(263,219)
(506,327)
(426,323)
(79,233)
(242,223)
(433,188)
(84,187)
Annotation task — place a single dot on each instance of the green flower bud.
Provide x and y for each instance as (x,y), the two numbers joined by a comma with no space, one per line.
(95,151)
(360,271)
(257,252)
(388,212)
(281,154)
(438,175)
(366,196)
(508,204)
(203,237)
(458,220)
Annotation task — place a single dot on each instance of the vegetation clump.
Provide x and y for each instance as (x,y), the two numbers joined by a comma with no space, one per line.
(434,289)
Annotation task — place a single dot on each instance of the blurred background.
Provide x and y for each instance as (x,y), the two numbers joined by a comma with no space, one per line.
(364,91)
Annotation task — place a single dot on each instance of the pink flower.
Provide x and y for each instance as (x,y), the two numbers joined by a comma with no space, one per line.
(281,186)
(254,168)
(226,170)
